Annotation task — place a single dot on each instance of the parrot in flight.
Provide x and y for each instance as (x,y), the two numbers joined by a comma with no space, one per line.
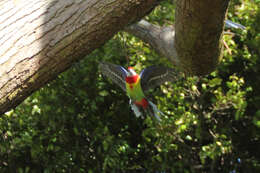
(136,85)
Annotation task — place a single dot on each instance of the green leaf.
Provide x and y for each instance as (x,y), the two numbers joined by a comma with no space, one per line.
(215,82)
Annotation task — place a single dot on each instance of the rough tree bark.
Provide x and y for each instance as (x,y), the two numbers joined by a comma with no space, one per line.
(198,40)
(40,39)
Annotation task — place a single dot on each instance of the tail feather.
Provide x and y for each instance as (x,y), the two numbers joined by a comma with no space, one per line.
(155,111)
(151,110)
(135,109)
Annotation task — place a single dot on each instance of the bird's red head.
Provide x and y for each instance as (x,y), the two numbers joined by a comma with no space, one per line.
(132,76)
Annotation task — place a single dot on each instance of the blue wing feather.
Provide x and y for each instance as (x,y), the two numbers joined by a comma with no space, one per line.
(230,24)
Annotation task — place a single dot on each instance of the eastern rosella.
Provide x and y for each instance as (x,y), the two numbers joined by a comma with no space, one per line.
(135,85)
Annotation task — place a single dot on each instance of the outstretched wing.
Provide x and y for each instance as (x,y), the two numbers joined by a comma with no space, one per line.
(156,75)
(230,24)
(114,72)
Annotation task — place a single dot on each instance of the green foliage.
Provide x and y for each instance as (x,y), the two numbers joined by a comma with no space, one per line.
(82,122)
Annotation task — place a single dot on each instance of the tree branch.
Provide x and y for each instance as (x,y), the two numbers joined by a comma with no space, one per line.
(161,39)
